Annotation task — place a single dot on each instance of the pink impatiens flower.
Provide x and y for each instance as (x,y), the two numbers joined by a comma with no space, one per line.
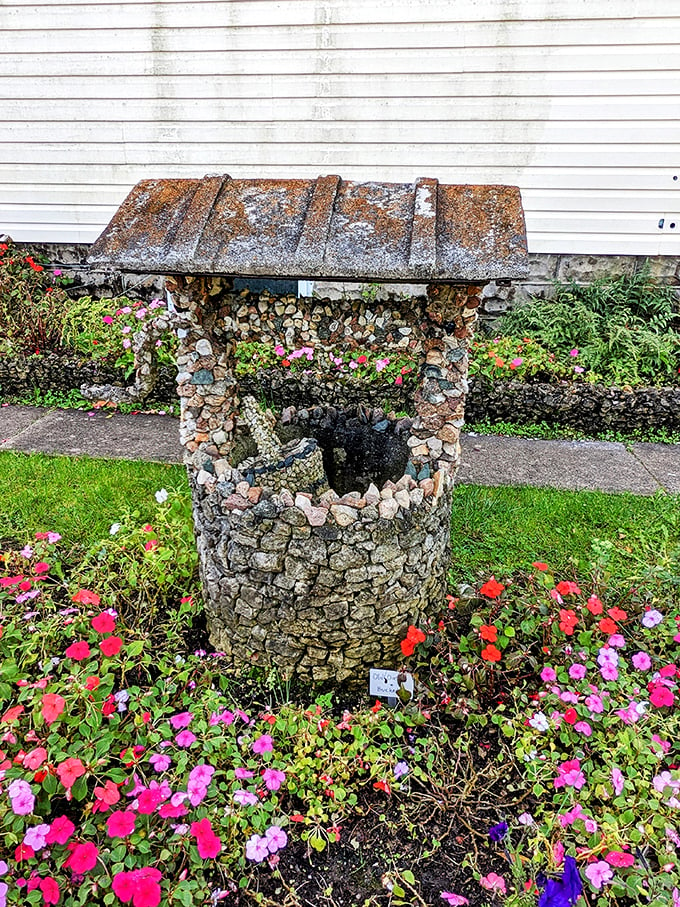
(256,848)
(21,797)
(82,858)
(570,775)
(120,824)
(276,838)
(493,882)
(185,739)
(273,778)
(598,874)
(141,886)
(209,845)
(617,781)
(60,831)
(160,762)
(245,798)
(182,719)
(456,900)
(263,744)
(642,661)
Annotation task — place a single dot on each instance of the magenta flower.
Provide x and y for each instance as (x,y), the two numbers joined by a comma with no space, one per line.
(243,773)
(182,719)
(225,717)
(577,672)
(548,674)
(617,781)
(598,874)
(202,774)
(273,778)
(263,744)
(185,739)
(594,703)
(570,775)
(573,353)
(160,762)
(583,728)
(609,671)
(456,900)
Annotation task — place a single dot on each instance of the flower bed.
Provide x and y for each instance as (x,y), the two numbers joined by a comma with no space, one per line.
(540,747)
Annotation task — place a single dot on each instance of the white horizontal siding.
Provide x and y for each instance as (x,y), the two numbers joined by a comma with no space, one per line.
(576,102)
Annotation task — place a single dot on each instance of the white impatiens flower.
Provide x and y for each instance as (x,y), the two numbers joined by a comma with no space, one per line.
(114,528)
(161,496)
(539,722)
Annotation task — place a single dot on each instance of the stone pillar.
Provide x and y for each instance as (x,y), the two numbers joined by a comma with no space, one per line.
(451,313)
(206,382)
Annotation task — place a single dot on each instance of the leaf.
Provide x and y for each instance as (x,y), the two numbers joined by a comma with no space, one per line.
(398,891)
(79,789)
(317,842)
(408,876)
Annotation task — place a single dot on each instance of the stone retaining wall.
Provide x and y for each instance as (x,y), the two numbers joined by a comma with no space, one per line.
(581,406)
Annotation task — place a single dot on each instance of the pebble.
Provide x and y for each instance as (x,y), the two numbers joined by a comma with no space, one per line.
(388,508)
(344,515)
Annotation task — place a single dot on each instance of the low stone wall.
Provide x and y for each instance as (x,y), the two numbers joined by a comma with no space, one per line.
(21,375)
(582,406)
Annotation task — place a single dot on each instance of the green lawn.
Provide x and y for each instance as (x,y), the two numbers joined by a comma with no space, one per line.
(495,530)
(78,498)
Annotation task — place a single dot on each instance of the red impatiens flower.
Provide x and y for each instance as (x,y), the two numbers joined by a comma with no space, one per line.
(568,621)
(571,716)
(607,625)
(92,682)
(540,565)
(69,771)
(82,858)
(491,588)
(78,651)
(209,845)
(111,645)
(383,786)
(48,887)
(413,637)
(52,706)
(617,613)
(491,653)
(141,886)
(35,758)
(594,605)
(23,852)
(661,696)
(103,623)
(12,714)
(568,588)
(85,597)
(489,632)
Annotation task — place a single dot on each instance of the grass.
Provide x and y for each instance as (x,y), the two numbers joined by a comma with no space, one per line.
(546,432)
(78,498)
(502,529)
(506,528)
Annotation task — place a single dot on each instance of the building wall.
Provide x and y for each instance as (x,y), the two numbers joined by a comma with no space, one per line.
(576,102)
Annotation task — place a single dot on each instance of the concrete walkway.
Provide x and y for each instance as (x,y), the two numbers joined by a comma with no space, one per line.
(487,459)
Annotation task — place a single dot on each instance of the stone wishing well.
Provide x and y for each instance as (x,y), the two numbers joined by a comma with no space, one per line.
(323,534)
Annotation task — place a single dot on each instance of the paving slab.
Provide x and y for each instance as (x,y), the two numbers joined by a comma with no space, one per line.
(662,461)
(15,419)
(574,465)
(100,434)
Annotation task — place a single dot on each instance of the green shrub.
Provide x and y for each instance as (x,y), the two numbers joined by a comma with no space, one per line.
(621,331)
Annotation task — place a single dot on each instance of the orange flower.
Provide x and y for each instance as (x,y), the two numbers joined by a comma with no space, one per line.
(488,632)
(568,588)
(413,637)
(540,565)
(617,613)
(85,597)
(607,625)
(491,653)
(568,621)
(491,588)
(594,605)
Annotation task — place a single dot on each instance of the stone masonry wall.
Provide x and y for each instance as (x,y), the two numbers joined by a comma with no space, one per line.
(320,585)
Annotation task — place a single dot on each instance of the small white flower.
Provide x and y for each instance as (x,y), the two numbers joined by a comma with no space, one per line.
(161,496)
(114,528)
(539,722)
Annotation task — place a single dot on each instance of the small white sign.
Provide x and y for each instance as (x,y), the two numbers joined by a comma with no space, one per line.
(386,683)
